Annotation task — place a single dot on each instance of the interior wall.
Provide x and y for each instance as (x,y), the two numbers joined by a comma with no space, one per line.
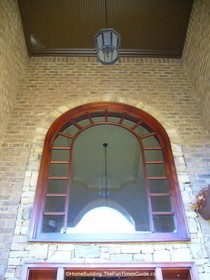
(197,55)
(13,58)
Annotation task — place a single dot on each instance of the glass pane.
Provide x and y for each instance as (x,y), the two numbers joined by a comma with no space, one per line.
(161,203)
(150,141)
(107,177)
(57,186)
(40,274)
(114,119)
(128,123)
(176,274)
(99,119)
(155,170)
(164,223)
(60,155)
(57,169)
(62,141)
(71,130)
(84,123)
(54,204)
(158,186)
(140,130)
(153,155)
(52,223)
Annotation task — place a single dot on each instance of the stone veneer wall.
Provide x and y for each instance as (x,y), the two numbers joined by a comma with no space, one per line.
(49,87)
(197,55)
(12,59)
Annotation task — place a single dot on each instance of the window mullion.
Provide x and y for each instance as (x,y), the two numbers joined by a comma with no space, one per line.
(122,118)
(60,273)
(90,118)
(106,116)
(158,273)
(135,125)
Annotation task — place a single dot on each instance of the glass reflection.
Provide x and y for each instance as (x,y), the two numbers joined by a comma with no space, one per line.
(58,169)
(156,170)
(153,155)
(159,186)
(57,186)
(104,220)
(52,223)
(164,223)
(62,141)
(118,182)
(54,204)
(60,155)
(161,203)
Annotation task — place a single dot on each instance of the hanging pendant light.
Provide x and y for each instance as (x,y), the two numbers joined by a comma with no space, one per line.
(104,188)
(107,42)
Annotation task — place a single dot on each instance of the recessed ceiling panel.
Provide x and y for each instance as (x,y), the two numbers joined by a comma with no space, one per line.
(155,28)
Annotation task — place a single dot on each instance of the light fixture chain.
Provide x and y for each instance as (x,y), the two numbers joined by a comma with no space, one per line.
(106,14)
(106,178)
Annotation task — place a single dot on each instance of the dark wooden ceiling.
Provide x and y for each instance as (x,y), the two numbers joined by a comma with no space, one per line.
(151,28)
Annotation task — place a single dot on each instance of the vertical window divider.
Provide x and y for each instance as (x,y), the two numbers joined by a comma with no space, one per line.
(122,118)
(106,115)
(60,273)
(158,273)
(135,125)
(90,118)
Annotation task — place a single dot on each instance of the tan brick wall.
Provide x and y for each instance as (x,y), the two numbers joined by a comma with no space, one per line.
(197,55)
(49,86)
(12,59)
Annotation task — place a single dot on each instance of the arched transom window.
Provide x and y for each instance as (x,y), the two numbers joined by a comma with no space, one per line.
(107,174)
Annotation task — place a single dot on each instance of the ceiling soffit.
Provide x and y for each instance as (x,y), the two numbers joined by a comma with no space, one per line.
(151,28)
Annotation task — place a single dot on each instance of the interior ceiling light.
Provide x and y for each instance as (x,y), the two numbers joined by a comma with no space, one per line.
(104,191)
(107,42)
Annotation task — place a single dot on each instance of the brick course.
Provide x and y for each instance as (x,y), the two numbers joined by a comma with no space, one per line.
(13,58)
(196,55)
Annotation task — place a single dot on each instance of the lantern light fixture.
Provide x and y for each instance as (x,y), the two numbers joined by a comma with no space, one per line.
(107,43)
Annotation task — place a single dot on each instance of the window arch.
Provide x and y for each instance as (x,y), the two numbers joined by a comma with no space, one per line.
(107,174)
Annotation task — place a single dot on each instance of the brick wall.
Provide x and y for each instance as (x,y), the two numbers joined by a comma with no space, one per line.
(12,59)
(196,60)
(196,55)
(49,87)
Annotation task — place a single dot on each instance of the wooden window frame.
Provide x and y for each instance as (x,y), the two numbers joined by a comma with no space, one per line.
(107,109)
(111,269)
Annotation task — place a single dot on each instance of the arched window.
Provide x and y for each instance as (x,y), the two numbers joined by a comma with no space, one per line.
(107,174)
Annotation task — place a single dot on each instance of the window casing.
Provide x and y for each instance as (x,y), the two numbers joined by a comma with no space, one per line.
(58,203)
